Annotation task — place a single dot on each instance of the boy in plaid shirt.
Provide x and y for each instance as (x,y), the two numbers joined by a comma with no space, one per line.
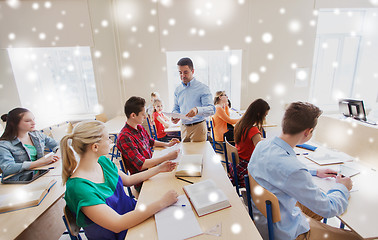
(135,144)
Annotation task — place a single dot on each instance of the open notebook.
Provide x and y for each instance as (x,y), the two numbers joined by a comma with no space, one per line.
(206,197)
(29,195)
(190,166)
(326,158)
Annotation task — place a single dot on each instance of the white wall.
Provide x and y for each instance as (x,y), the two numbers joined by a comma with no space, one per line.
(144,69)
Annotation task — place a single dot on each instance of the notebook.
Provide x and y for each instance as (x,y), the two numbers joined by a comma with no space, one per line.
(177,221)
(190,166)
(206,197)
(326,158)
(25,196)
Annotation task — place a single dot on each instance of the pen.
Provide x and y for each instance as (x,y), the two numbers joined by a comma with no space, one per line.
(179,205)
(336,174)
(51,167)
(184,180)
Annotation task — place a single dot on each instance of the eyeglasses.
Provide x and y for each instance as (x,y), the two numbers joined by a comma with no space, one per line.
(223,95)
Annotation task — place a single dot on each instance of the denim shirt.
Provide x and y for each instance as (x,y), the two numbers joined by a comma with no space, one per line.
(15,157)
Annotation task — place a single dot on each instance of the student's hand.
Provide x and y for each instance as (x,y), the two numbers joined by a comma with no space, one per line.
(323,173)
(169,198)
(167,166)
(49,159)
(173,142)
(192,112)
(172,155)
(175,120)
(346,181)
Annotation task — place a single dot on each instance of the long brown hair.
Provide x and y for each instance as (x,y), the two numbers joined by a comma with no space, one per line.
(84,134)
(13,118)
(253,117)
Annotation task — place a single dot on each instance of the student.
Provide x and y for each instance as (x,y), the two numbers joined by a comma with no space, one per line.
(192,98)
(275,167)
(248,134)
(150,108)
(94,186)
(222,117)
(135,144)
(161,121)
(21,146)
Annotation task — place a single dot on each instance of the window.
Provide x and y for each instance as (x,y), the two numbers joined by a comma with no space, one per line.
(345,57)
(220,70)
(56,84)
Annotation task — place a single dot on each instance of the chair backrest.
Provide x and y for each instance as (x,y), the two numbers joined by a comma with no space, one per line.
(123,168)
(231,149)
(71,225)
(260,195)
(102,117)
(212,128)
(151,127)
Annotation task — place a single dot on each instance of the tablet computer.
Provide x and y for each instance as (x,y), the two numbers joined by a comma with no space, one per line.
(24,177)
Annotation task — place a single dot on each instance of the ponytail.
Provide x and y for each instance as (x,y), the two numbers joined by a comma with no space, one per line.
(68,158)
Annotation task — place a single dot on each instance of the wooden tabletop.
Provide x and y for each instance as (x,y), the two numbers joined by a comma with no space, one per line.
(14,223)
(235,221)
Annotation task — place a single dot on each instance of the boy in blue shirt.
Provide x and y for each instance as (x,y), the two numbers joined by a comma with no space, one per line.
(275,167)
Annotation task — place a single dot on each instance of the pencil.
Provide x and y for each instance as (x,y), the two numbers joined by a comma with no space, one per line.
(184,180)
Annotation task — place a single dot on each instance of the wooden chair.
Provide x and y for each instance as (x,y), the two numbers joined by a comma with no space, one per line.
(102,117)
(265,201)
(123,168)
(69,220)
(231,153)
(218,148)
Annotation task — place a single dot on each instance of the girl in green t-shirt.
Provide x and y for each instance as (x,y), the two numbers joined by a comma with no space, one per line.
(94,191)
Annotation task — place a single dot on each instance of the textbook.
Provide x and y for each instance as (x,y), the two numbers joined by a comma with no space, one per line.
(206,197)
(190,166)
(26,196)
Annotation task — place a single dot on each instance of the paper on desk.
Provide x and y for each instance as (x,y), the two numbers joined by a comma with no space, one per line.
(327,184)
(177,115)
(168,150)
(177,222)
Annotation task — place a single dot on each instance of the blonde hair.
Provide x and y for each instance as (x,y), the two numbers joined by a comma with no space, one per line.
(84,134)
(156,102)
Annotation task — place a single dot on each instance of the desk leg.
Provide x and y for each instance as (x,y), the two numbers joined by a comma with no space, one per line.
(48,226)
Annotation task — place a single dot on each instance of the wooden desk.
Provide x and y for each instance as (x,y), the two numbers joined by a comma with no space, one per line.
(353,137)
(115,125)
(236,223)
(361,214)
(40,222)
